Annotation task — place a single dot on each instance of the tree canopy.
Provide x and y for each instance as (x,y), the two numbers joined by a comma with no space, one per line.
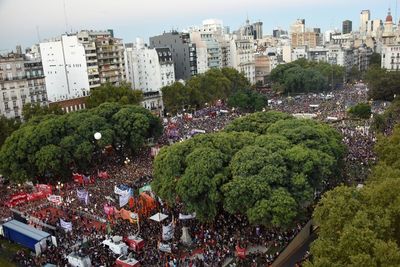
(7,127)
(361,111)
(215,84)
(122,94)
(54,145)
(361,226)
(31,110)
(306,76)
(382,84)
(265,165)
(248,100)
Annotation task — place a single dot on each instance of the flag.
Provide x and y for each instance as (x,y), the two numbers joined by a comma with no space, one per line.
(66,225)
(164,247)
(83,195)
(167,232)
(124,199)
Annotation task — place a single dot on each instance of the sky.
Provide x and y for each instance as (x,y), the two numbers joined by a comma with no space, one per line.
(25,22)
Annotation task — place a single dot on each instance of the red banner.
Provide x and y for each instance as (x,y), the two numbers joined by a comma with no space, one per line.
(17,199)
(241,252)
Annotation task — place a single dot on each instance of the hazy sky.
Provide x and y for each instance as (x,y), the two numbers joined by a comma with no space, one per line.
(24,21)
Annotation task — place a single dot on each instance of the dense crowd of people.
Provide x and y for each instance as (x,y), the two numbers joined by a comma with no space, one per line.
(212,244)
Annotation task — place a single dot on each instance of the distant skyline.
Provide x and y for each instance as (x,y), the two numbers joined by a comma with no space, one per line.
(23,22)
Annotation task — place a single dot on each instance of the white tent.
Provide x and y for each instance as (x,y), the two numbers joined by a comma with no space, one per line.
(159,217)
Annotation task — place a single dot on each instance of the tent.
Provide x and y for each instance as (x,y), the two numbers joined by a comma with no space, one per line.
(159,217)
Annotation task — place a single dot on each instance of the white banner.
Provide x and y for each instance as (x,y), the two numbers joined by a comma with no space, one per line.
(66,225)
(119,191)
(187,216)
(124,199)
(167,232)
(164,247)
(55,199)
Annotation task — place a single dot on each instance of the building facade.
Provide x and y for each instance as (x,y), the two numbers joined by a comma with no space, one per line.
(242,53)
(65,68)
(183,51)
(21,82)
(347,26)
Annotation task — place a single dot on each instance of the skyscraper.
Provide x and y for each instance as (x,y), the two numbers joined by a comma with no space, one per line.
(365,16)
(347,26)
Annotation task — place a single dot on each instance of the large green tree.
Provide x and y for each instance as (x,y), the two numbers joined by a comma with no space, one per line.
(207,88)
(31,110)
(361,226)
(53,145)
(122,94)
(265,165)
(7,126)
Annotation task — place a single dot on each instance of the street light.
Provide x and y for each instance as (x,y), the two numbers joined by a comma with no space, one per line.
(97,136)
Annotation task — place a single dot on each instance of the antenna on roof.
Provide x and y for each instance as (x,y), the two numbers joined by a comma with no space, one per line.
(37,32)
(65,17)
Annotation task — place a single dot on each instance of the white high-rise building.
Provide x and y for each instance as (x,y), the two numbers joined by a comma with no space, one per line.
(149,70)
(65,69)
(365,16)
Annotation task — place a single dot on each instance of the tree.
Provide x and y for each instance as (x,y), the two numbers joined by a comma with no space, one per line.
(265,165)
(375,60)
(122,94)
(51,146)
(383,84)
(361,111)
(361,226)
(247,100)
(31,110)
(7,127)
(209,87)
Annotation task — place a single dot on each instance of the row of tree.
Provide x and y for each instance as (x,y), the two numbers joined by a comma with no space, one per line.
(215,84)
(361,226)
(53,145)
(302,76)
(266,165)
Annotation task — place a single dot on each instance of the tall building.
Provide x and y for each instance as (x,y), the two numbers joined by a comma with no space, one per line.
(65,68)
(149,70)
(21,82)
(299,26)
(242,53)
(365,16)
(347,26)
(104,57)
(258,30)
(310,39)
(208,49)
(183,52)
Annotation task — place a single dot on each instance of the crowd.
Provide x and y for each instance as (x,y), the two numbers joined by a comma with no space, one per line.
(212,244)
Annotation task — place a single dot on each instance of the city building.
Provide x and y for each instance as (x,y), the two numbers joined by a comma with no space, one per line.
(65,68)
(242,57)
(310,38)
(183,52)
(365,16)
(208,50)
(148,70)
(258,30)
(110,59)
(21,82)
(347,26)
(299,26)
(391,57)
